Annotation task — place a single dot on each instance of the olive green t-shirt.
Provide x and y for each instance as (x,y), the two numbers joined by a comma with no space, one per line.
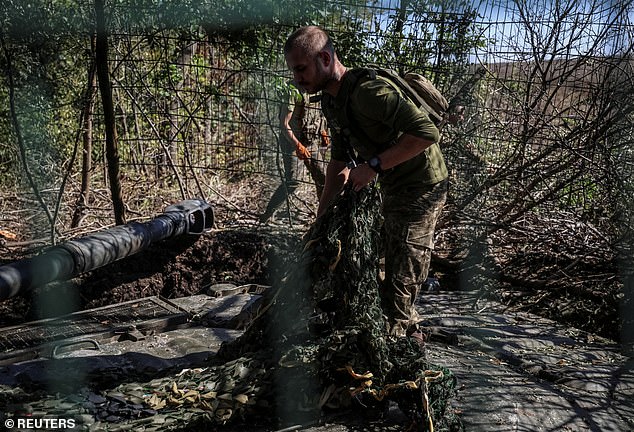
(378,115)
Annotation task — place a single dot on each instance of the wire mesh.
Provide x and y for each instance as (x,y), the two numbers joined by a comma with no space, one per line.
(190,104)
(547,128)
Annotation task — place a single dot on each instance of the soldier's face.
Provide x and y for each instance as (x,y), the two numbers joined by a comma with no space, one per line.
(311,74)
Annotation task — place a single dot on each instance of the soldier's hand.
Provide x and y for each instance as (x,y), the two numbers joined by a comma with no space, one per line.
(302,152)
(361,176)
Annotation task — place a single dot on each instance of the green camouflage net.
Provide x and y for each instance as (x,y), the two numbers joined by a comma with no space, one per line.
(325,336)
(318,344)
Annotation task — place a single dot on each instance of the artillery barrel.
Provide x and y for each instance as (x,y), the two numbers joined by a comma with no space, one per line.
(74,257)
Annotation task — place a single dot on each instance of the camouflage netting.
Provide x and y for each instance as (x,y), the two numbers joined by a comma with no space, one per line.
(319,343)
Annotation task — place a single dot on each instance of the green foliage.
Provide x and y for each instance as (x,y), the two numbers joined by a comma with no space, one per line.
(427,35)
(8,153)
(39,23)
(45,45)
(285,91)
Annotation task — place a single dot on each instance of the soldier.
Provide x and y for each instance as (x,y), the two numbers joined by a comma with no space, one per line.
(302,131)
(392,139)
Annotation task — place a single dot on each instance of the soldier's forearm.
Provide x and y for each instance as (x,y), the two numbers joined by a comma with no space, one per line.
(407,147)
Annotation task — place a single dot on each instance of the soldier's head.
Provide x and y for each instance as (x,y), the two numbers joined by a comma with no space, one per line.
(311,57)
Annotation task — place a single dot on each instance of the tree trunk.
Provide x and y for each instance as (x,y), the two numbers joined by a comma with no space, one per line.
(112,154)
(86,165)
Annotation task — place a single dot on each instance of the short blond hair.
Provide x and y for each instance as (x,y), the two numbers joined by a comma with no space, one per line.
(310,39)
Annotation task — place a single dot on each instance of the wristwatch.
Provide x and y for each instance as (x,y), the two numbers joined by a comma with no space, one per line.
(375,163)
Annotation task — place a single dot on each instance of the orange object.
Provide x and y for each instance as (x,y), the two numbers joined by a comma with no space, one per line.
(8,235)
(302,152)
(325,139)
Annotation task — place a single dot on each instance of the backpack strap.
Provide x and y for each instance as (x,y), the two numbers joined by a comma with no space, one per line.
(352,129)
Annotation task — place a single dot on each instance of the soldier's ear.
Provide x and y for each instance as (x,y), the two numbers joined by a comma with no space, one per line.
(325,57)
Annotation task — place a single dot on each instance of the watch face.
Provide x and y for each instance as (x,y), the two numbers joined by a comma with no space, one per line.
(375,164)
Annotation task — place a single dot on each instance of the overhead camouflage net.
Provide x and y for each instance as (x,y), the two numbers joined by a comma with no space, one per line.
(318,344)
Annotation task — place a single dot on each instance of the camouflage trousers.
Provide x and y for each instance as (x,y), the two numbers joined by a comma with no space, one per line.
(408,237)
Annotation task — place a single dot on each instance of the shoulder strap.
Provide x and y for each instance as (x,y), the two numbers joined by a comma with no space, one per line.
(348,126)
(409,91)
(352,128)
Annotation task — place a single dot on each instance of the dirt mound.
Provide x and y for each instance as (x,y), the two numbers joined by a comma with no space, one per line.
(172,268)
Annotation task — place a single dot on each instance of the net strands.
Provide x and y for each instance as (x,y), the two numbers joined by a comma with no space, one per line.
(319,342)
(502,25)
(196,110)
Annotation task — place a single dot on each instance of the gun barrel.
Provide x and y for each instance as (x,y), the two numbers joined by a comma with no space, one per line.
(77,256)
